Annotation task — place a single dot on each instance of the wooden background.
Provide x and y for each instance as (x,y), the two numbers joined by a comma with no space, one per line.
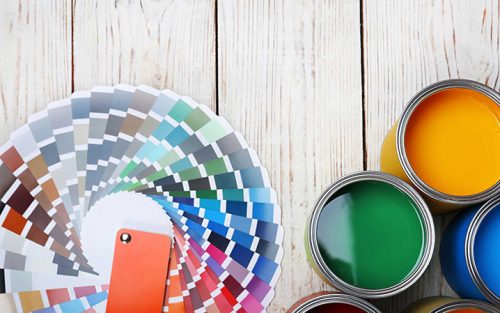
(313,85)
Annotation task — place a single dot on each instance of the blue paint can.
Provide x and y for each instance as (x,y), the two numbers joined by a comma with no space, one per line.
(470,252)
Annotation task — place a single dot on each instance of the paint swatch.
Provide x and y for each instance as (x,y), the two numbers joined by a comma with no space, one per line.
(129,148)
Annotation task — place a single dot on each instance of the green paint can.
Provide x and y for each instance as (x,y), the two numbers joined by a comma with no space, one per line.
(370,235)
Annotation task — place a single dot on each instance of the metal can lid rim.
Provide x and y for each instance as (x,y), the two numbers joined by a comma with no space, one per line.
(331,298)
(466,304)
(470,237)
(400,145)
(425,215)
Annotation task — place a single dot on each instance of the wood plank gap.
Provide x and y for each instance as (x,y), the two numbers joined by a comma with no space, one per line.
(363,82)
(73,46)
(216,31)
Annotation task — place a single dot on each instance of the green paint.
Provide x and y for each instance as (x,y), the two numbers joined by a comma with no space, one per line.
(216,166)
(211,132)
(180,194)
(214,130)
(157,175)
(190,174)
(128,169)
(197,119)
(370,234)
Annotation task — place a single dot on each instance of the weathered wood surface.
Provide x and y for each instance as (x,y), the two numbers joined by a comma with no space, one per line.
(313,85)
(35,60)
(407,46)
(290,80)
(163,44)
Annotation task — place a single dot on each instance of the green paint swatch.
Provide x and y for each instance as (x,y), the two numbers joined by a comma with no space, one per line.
(370,234)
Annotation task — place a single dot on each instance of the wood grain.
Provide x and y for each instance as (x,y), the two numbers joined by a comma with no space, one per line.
(290,81)
(35,65)
(408,45)
(164,44)
(287,73)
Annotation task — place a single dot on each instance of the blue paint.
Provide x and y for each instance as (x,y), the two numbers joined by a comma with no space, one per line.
(161,131)
(46,310)
(252,177)
(74,306)
(177,136)
(264,267)
(80,108)
(487,253)
(487,250)
(181,165)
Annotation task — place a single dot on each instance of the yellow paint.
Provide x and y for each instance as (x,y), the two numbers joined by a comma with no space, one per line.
(31,301)
(389,163)
(389,160)
(452,141)
(426,305)
(430,304)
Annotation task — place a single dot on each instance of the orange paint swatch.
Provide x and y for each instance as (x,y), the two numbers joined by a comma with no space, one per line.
(452,141)
(139,273)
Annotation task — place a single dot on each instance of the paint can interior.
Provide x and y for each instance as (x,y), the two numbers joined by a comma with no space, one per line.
(450,305)
(330,302)
(447,144)
(470,252)
(370,235)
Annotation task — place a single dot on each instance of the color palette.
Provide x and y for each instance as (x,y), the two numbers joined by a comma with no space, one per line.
(168,153)
(447,144)
(370,234)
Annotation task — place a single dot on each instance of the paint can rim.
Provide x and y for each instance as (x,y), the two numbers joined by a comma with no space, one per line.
(333,297)
(428,232)
(470,237)
(466,304)
(400,142)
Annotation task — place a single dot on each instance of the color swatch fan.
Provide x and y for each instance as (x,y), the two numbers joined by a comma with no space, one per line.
(134,157)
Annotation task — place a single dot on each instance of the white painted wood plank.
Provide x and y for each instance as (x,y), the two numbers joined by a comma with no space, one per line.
(164,44)
(35,65)
(290,80)
(408,45)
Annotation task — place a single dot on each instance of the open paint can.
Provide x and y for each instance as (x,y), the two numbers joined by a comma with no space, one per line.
(470,252)
(330,302)
(450,305)
(370,234)
(447,144)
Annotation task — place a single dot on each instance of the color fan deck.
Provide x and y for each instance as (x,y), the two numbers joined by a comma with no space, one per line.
(203,175)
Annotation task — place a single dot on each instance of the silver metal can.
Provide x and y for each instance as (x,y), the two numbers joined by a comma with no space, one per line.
(466,305)
(440,304)
(394,158)
(424,216)
(317,300)
(470,241)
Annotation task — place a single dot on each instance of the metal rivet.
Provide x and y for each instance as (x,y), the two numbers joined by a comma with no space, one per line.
(125,238)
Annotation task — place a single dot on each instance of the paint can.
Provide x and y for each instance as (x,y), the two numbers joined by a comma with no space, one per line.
(370,235)
(447,144)
(330,302)
(449,305)
(470,252)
